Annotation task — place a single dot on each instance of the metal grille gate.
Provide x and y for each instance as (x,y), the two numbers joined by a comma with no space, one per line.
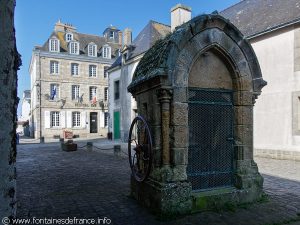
(210,157)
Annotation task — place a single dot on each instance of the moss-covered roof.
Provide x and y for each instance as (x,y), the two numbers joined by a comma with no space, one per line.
(152,62)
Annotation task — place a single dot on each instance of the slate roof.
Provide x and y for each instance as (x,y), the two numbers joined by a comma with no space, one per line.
(117,62)
(84,40)
(254,17)
(151,33)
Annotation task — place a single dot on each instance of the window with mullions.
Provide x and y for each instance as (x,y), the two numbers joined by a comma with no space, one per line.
(76,119)
(75,92)
(54,67)
(93,93)
(54,91)
(69,37)
(54,45)
(92,50)
(106,52)
(54,119)
(74,48)
(92,70)
(74,69)
(106,119)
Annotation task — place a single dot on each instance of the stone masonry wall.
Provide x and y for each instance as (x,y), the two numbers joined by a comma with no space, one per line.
(9,64)
(65,81)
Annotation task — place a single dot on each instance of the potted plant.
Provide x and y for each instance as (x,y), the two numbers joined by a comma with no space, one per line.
(69,146)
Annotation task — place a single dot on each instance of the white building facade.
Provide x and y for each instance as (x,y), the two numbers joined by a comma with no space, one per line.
(23,119)
(122,106)
(274,33)
(25,106)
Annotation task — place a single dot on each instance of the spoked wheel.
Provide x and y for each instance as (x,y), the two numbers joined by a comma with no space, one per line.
(140,149)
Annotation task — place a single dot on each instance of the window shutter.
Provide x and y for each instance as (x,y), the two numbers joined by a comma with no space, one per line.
(102,118)
(47,119)
(69,119)
(83,119)
(63,119)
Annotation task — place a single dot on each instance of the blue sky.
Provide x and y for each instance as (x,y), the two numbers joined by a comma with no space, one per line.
(35,19)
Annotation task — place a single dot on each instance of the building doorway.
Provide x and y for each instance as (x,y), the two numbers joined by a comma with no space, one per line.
(117,125)
(93,122)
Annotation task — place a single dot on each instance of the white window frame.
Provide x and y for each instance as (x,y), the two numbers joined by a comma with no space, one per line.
(76,119)
(92,92)
(54,67)
(92,50)
(69,37)
(74,47)
(57,91)
(74,69)
(75,92)
(92,70)
(54,119)
(106,52)
(54,45)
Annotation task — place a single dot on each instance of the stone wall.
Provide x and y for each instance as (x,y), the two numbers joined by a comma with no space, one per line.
(9,64)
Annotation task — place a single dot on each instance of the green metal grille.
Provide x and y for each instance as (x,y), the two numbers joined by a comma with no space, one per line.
(210,155)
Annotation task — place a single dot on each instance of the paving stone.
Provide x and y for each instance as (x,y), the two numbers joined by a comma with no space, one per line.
(53,183)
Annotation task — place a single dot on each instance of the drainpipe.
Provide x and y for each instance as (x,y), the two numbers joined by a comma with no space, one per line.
(40,98)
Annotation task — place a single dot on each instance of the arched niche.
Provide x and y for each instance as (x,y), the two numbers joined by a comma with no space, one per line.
(211,70)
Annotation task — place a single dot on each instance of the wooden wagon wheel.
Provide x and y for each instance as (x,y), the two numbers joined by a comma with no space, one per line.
(140,151)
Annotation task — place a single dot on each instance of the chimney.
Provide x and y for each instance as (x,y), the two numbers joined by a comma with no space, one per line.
(120,38)
(179,15)
(64,27)
(127,36)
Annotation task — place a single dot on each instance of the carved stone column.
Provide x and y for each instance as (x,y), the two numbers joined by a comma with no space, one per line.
(164,97)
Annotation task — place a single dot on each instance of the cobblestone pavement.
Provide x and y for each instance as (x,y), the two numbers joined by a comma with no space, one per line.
(82,184)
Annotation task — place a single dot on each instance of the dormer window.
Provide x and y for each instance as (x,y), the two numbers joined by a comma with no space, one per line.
(54,45)
(92,50)
(111,35)
(69,37)
(106,52)
(74,48)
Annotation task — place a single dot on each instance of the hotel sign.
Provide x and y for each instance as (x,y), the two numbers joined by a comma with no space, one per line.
(85,105)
